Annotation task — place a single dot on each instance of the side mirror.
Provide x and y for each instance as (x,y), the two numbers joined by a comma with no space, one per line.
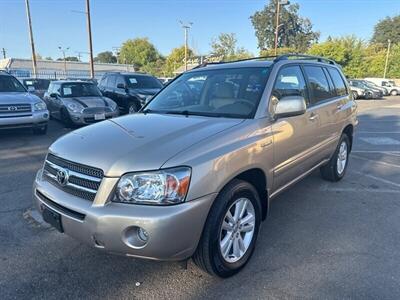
(290,106)
(31,88)
(53,95)
(120,86)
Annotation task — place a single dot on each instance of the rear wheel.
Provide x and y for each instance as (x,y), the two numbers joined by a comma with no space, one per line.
(66,118)
(355,95)
(231,230)
(336,168)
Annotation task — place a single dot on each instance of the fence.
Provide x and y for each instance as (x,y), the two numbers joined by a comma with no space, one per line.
(53,75)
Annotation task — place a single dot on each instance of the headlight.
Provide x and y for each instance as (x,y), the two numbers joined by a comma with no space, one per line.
(39,106)
(113,105)
(162,187)
(76,108)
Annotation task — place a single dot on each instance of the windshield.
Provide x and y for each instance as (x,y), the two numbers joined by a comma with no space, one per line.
(79,89)
(233,93)
(38,84)
(10,84)
(143,82)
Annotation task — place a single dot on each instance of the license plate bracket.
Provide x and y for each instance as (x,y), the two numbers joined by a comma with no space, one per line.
(53,218)
(98,117)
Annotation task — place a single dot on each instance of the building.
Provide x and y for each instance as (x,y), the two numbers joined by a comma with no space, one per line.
(52,69)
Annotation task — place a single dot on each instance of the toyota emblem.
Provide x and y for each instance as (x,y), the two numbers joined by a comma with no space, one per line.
(12,108)
(62,177)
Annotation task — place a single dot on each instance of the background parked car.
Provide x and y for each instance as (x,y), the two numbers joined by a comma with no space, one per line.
(384,90)
(394,90)
(369,91)
(78,103)
(129,90)
(359,92)
(36,86)
(19,108)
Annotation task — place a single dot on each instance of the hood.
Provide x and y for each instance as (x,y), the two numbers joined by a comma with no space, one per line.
(136,142)
(144,91)
(90,101)
(18,98)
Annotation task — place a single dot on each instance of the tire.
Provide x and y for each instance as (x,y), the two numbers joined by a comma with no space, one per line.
(133,107)
(355,95)
(40,130)
(208,255)
(66,118)
(336,168)
(393,93)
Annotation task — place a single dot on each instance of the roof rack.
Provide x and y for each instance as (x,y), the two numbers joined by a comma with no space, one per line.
(275,58)
(305,57)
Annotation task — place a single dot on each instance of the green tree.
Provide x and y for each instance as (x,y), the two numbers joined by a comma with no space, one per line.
(388,28)
(48,58)
(176,59)
(295,32)
(225,47)
(139,52)
(106,57)
(68,58)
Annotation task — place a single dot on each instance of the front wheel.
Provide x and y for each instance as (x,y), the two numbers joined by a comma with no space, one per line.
(336,168)
(231,230)
(393,93)
(355,95)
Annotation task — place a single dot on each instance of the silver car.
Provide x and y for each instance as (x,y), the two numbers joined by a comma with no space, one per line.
(19,108)
(193,173)
(78,103)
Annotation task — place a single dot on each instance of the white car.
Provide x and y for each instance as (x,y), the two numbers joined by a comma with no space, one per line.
(394,89)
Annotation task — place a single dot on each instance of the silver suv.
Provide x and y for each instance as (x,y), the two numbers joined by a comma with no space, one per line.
(193,173)
(19,108)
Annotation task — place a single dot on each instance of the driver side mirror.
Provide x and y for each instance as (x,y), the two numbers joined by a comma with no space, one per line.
(290,106)
(120,86)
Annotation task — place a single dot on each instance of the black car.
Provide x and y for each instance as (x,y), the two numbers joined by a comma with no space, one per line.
(129,90)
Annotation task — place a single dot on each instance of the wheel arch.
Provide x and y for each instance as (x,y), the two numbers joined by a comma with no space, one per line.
(349,131)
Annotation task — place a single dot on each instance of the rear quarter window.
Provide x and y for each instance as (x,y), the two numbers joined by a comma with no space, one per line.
(338,81)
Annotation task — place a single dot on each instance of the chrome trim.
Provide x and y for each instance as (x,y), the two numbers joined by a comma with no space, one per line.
(73,173)
(78,187)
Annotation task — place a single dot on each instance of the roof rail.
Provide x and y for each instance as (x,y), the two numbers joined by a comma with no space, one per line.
(233,61)
(305,57)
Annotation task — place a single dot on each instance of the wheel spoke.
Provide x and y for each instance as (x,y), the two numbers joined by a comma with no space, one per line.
(227,226)
(226,244)
(247,227)
(238,210)
(249,218)
(241,244)
(236,249)
(230,217)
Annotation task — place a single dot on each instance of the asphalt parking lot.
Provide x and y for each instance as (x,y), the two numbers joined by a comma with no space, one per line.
(322,240)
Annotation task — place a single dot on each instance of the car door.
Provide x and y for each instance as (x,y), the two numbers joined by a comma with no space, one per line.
(294,137)
(324,105)
(121,95)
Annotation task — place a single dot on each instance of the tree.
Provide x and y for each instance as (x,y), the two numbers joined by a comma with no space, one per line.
(138,52)
(387,29)
(48,58)
(68,58)
(225,47)
(106,57)
(296,32)
(176,59)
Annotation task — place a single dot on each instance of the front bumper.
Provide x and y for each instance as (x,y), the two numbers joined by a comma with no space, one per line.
(35,119)
(85,119)
(173,231)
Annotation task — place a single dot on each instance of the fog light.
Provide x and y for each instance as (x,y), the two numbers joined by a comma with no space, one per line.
(45,116)
(143,235)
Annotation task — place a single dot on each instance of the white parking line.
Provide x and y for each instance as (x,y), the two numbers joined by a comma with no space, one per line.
(377,162)
(357,190)
(377,178)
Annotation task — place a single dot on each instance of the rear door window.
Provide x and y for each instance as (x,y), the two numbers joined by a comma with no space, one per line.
(318,83)
(338,81)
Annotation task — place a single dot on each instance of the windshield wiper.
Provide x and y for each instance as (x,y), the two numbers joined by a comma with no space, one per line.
(193,113)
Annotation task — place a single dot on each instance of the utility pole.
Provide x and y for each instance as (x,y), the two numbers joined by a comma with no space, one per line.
(186,28)
(89,28)
(4,53)
(278,5)
(65,62)
(28,15)
(387,58)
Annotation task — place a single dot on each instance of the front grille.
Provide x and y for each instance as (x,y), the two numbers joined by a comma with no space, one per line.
(97,110)
(83,181)
(14,108)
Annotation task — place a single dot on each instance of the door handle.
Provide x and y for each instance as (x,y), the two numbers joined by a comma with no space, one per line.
(313,117)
